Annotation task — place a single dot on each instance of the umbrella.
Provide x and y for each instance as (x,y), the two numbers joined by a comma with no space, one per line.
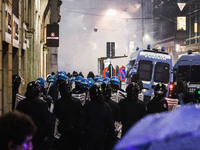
(175,130)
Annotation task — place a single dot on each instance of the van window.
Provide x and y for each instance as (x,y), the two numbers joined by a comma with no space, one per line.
(195,73)
(184,73)
(145,70)
(161,73)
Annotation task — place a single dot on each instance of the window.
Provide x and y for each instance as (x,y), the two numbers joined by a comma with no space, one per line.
(195,73)
(145,70)
(15,7)
(132,62)
(161,73)
(184,73)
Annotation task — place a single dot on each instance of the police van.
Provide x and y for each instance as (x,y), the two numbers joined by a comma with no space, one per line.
(153,66)
(187,75)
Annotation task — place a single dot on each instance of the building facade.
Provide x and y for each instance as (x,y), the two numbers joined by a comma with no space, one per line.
(193,26)
(168,31)
(23,49)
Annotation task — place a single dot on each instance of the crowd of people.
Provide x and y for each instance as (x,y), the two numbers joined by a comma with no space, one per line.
(71,112)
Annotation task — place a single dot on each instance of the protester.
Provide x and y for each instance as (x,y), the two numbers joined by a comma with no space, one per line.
(97,121)
(132,109)
(68,111)
(16,81)
(16,131)
(37,109)
(115,109)
(90,75)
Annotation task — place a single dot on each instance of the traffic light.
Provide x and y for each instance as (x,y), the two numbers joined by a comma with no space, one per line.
(110,49)
(197,96)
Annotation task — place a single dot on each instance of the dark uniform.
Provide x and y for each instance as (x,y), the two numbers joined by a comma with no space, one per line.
(37,109)
(132,109)
(158,103)
(97,121)
(54,92)
(68,111)
(115,109)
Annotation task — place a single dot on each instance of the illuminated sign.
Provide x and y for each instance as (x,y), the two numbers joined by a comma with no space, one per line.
(52,35)
(155,55)
(181,23)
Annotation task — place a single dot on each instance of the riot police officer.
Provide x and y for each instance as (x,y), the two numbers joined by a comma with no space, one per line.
(158,103)
(77,88)
(54,91)
(84,91)
(115,85)
(77,92)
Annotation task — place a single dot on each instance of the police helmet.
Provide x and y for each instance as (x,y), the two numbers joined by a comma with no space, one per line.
(99,81)
(91,81)
(72,79)
(62,76)
(51,79)
(97,77)
(115,81)
(160,90)
(33,89)
(41,82)
(85,84)
(106,80)
(78,80)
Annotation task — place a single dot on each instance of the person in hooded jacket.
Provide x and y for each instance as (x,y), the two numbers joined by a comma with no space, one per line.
(132,109)
(158,103)
(37,109)
(68,110)
(90,75)
(97,121)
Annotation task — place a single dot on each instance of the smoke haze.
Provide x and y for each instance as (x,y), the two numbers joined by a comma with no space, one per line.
(80,46)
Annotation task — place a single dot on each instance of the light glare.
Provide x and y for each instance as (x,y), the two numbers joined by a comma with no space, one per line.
(111,12)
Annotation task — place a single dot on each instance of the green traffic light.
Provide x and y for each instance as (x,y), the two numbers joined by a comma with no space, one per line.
(199,92)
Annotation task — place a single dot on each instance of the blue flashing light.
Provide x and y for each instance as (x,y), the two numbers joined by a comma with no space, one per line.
(148,46)
(163,49)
